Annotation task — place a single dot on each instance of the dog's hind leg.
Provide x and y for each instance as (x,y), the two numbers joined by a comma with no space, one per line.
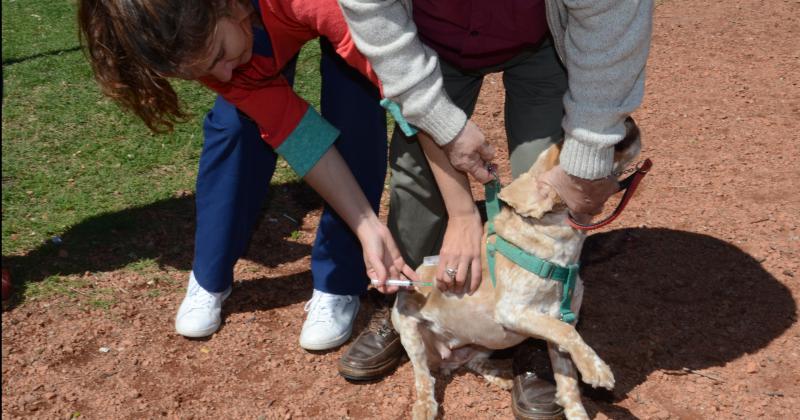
(527,321)
(492,370)
(425,407)
(568,395)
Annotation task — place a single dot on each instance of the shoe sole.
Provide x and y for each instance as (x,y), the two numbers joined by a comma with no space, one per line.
(366,375)
(336,342)
(206,332)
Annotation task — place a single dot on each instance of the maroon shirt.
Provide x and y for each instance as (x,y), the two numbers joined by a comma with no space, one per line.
(479,33)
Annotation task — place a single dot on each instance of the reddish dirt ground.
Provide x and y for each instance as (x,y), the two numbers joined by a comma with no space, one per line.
(691,297)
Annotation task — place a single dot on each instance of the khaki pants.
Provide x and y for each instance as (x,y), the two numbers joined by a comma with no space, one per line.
(535,83)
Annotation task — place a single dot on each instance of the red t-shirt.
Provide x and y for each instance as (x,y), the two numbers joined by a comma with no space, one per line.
(479,33)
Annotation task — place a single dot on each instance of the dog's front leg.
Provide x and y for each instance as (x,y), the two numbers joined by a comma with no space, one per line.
(568,395)
(527,321)
(425,407)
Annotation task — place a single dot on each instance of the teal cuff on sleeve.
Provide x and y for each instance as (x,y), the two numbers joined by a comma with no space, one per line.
(394,109)
(312,137)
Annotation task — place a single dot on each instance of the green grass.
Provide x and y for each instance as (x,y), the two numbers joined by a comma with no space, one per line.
(76,166)
(69,153)
(71,287)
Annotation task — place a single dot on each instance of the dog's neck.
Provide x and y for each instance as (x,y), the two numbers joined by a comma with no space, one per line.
(548,237)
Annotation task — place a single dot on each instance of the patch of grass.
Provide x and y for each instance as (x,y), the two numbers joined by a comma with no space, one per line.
(143,266)
(71,287)
(67,157)
(100,303)
(34,28)
(55,285)
(68,152)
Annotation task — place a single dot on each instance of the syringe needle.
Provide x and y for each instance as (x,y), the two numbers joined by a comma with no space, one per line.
(404,283)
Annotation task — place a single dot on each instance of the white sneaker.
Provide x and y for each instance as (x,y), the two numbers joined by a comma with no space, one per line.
(199,314)
(329,322)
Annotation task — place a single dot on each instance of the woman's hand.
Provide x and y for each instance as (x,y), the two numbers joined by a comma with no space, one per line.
(332,179)
(382,257)
(461,251)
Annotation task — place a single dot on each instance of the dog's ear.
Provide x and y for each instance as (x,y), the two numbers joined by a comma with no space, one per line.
(546,160)
(529,197)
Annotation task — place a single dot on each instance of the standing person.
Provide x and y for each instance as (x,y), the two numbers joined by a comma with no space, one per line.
(134,46)
(602,44)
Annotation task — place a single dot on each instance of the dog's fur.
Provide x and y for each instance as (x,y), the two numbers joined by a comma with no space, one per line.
(444,330)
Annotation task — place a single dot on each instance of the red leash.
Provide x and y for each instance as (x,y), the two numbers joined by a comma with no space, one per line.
(628,184)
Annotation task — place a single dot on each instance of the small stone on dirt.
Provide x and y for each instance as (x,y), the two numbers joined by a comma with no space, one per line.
(752,367)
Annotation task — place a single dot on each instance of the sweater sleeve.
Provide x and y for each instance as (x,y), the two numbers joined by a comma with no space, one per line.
(606,45)
(385,33)
(286,122)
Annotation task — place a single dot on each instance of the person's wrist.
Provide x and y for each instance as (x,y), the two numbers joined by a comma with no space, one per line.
(367,227)
(467,214)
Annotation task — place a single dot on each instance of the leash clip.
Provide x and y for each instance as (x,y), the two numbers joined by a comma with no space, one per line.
(643,166)
(492,168)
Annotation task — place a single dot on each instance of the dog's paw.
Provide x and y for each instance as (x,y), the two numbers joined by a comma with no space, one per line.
(503,383)
(595,372)
(424,410)
(576,413)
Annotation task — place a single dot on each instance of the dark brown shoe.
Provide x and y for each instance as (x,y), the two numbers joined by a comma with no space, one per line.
(376,352)
(534,393)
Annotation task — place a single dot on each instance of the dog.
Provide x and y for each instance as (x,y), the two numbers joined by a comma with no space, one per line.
(447,331)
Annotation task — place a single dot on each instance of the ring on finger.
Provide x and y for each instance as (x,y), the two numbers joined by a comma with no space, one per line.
(451,272)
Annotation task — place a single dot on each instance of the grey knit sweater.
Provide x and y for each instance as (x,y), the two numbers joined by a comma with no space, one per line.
(603,44)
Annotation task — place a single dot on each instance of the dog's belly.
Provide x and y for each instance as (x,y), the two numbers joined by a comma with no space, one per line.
(458,322)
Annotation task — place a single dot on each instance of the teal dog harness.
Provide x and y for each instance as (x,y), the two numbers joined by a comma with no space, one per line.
(545,269)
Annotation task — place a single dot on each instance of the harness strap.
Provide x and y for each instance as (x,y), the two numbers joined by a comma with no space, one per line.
(538,266)
(491,189)
(544,269)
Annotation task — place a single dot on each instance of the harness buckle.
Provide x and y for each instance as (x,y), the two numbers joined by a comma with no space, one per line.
(547,269)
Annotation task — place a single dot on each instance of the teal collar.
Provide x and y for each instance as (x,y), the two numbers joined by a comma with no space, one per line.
(545,269)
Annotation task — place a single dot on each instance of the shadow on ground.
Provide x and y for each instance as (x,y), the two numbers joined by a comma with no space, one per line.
(660,299)
(164,232)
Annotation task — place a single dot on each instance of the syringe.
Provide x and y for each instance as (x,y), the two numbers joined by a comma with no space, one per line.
(404,283)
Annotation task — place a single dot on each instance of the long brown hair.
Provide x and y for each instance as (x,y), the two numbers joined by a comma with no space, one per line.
(134,45)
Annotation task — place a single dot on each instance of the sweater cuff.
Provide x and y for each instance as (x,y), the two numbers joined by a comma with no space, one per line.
(443,122)
(585,161)
(312,137)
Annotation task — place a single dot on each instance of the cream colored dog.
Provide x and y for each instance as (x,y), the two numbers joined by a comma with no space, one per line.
(443,330)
